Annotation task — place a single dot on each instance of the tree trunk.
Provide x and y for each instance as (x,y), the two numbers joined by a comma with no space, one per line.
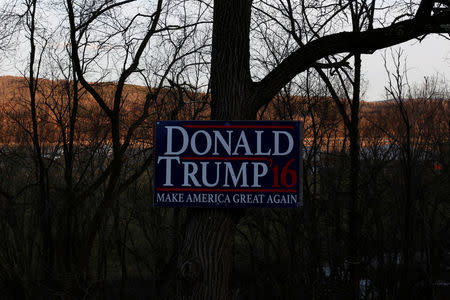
(232,90)
(205,259)
(205,254)
(354,215)
(408,245)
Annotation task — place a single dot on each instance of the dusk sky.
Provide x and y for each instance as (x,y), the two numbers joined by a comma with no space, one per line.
(427,58)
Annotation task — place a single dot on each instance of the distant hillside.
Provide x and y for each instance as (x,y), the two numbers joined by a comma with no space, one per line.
(380,120)
(55,101)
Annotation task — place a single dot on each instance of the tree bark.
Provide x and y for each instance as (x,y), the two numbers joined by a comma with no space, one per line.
(205,259)
(232,90)
(205,256)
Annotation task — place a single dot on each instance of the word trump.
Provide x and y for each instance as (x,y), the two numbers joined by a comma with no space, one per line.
(227,160)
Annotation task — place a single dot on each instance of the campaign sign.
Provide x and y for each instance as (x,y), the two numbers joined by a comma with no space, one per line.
(228,164)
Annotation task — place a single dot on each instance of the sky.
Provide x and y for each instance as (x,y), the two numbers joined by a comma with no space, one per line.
(427,58)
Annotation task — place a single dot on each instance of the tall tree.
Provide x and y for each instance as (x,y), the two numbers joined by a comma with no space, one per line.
(205,258)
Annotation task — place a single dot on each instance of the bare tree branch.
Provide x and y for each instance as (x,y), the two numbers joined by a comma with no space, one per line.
(361,42)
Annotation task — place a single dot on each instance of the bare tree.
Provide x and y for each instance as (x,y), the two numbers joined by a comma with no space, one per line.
(234,95)
(86,156)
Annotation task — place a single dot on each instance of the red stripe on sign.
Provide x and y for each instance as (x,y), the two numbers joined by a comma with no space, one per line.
(223,158)
(241,126)
(226,190)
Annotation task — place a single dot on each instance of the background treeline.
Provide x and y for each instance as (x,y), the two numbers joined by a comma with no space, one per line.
(403,195)
(76,150)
